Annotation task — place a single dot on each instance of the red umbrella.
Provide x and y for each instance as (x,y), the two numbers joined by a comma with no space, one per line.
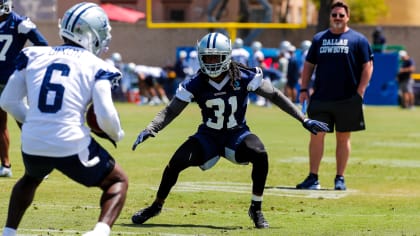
(122,14)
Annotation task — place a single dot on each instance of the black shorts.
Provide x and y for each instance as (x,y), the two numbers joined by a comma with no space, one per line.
(345,115)
(89,167)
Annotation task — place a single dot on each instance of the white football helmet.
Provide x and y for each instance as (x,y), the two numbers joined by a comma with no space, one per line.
(284,45)
(238,43)
(214,44)
(87,25)
(5,7)
(256,46)
(116,57)
(305,45)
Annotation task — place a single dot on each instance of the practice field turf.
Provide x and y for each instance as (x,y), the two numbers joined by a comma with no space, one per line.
(383,180)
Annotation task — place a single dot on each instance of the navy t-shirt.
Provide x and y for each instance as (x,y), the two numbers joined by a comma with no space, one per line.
(339,60)
(405,76)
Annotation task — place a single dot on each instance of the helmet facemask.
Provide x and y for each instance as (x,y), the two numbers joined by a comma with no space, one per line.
(213,67)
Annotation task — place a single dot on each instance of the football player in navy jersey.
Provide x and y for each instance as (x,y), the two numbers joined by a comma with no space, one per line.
(15,30)
(49,93)
(221,90)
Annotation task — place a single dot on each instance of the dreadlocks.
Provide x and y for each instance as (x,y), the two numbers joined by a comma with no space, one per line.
(234,71)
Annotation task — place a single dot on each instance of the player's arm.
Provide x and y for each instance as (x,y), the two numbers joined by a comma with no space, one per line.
(106,113)
(12,98)
(34,35)
(161,120)
(167,115)
(267,90)
(275,96)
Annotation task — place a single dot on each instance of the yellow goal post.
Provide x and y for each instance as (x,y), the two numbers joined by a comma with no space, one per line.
(231,27)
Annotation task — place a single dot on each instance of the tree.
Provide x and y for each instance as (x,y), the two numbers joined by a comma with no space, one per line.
(361,11)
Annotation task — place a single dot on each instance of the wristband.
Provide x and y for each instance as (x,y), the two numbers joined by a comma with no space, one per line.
(303,90)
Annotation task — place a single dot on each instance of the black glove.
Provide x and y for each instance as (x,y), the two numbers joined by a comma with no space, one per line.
(145,134)
(105,136)
(19,125)
(315,126)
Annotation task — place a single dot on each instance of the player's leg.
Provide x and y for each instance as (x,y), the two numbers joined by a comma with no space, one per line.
(24,190)
(5,168)
(114,188)
(251,149)
(95,167)
(190,153)
(160,82)
(21,198)
(154,96)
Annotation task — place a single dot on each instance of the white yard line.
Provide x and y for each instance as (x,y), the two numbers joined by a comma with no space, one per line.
(36,232)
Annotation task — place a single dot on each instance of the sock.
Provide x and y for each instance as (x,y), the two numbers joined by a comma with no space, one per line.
(102,228)
(339,177)
(7,166)
(257,198)
(9,231)
(256,205)
(313,175)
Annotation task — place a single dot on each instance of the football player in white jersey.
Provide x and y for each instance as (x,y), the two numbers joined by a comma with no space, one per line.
(59,83)
(15,32)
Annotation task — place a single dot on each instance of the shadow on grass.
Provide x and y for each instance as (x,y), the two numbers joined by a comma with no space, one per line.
(295,189)
(183,226)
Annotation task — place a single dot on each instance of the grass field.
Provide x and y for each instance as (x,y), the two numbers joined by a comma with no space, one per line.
(383,180)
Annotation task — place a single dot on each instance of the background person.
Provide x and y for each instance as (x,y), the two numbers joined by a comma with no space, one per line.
(293,75)
(151,81)
(15,31)
(405,81)
(378,40)
(59,83)
(221,91)
(343,59)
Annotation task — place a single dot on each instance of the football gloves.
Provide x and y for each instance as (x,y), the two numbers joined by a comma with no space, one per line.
(315,126)
(105,136)
(145,134)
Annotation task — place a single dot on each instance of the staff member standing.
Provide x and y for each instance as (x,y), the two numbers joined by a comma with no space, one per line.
(343,62)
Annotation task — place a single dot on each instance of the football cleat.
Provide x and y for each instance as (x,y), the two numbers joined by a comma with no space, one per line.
(339,183)
(258,218)
(144,214)
(5,171)
(311,182)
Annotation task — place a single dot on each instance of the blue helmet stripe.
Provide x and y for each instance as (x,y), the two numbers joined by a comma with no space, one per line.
(208,41)
(212,40)
(71,15)
(81,5)
(78,16)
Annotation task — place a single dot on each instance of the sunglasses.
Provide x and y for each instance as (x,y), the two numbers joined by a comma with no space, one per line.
(334,15)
